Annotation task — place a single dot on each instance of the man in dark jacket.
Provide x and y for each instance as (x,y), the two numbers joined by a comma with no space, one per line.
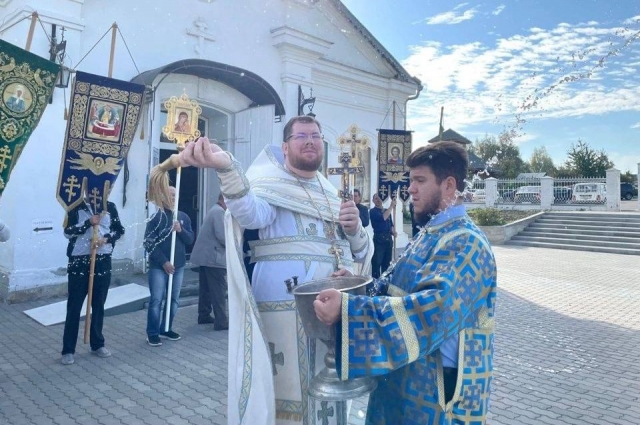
(157,242)
(209,253)
(364,211)
(79,230)
(383,234)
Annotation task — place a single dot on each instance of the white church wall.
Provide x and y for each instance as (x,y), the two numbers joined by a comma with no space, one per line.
(287,43)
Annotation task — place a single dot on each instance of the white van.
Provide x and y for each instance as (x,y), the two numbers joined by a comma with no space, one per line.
(589,193)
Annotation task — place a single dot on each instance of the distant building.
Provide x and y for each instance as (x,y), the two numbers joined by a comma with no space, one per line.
(531,176)
(476,164)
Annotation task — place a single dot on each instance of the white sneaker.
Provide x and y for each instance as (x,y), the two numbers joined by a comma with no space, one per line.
(67,359)
(101,352)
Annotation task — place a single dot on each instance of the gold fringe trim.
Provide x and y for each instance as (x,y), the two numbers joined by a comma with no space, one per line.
(289,416)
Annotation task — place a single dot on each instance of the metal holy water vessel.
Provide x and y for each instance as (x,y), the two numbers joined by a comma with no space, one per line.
(326,385)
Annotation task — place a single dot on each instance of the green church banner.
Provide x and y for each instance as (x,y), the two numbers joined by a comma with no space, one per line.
(26,83)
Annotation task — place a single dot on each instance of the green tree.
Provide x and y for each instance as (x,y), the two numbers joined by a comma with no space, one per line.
(628,177)
(501,153)
(584,161)
(541,162)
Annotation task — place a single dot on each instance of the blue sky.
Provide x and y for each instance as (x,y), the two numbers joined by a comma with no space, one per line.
(553,70)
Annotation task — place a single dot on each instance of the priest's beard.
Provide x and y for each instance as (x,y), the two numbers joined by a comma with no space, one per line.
(431,208)
(305,164)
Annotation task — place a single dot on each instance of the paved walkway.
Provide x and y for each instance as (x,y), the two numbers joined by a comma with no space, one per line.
(567,340)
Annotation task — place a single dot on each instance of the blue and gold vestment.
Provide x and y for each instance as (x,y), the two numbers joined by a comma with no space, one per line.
(444,284)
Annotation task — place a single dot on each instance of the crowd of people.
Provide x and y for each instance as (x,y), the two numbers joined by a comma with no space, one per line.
(424,331)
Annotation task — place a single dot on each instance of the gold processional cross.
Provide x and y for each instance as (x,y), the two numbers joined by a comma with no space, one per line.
(351,166)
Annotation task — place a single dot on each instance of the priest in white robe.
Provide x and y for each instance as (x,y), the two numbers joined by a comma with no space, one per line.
(305,231)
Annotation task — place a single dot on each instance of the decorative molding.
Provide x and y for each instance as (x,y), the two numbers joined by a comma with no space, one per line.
(295,43)
(47,17)
(305,3)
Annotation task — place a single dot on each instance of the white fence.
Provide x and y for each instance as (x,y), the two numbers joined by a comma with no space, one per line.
(547,193)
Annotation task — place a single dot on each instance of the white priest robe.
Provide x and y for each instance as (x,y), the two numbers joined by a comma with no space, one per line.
(271,361)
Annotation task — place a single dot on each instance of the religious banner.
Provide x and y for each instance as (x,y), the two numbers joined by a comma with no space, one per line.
(26,83)
(394,146)
(103,118)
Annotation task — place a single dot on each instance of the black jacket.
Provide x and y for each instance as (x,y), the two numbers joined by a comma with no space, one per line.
(157,239)
(79,231)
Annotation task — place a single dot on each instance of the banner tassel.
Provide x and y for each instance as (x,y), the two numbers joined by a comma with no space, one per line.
(158,191)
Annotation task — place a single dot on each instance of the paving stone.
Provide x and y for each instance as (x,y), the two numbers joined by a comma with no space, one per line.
(567,332)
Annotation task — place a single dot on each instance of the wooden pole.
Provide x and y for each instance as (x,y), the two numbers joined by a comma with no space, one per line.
(114,28)
(167,308)
(94,239)
(34,18)
(441,129)
(92,270)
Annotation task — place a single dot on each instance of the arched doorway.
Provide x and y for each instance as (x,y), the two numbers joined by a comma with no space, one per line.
(239,111)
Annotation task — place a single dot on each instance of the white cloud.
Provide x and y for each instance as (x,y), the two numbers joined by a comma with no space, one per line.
(634,20)
(625,161)
(566,71)
(498,10)
(452,17)
(636,125)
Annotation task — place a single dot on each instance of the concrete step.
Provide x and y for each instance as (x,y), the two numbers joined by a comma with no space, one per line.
(627,251)
(602,223)
(596,215)
(628,243)
(585,230)
(603,227)
(582,237)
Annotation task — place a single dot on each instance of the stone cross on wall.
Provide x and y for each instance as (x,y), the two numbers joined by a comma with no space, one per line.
(199,31)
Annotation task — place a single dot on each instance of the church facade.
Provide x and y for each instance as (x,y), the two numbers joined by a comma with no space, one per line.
(250,64)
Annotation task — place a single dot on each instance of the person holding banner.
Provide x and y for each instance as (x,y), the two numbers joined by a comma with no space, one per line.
(430,320)
(78,228)
(157,242)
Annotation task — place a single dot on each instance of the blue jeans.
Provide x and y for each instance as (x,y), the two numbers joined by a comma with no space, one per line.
(158,282)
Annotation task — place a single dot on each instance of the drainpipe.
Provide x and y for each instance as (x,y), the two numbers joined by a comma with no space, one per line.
(413,97)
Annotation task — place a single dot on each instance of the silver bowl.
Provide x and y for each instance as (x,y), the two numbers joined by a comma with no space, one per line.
(326,385)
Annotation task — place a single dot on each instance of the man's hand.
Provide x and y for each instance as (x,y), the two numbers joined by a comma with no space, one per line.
(95,219)
(328,305)
(177,227)
(349,217)
(203,153)
(168,267)
(341,272)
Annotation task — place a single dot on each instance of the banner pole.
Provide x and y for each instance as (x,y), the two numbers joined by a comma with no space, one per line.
(441,129)
(92,270)
(114,28)
(34,18)
(173,251)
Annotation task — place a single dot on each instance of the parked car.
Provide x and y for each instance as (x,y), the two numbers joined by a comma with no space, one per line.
(507,195)
(562,195)
(589,193)
(627,191)
(527,194)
